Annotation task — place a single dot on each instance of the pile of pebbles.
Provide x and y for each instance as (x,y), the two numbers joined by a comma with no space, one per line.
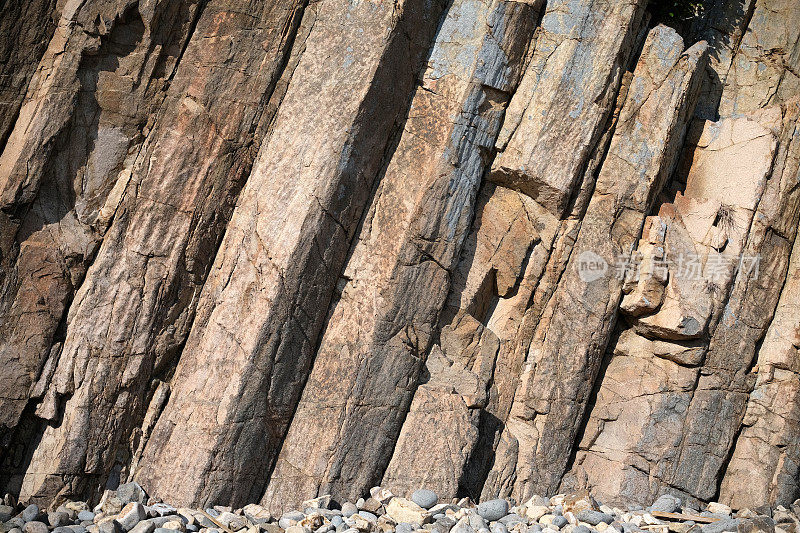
(129,510)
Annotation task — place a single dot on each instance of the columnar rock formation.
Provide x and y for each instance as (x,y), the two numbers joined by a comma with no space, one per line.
(260,251)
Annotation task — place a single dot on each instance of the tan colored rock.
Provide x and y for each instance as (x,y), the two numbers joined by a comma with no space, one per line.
(568,349)
(402,510)
(153,260)
(562,81)
(266,297)
(394,285)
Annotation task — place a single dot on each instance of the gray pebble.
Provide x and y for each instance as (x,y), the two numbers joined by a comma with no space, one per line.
(16,522)
(341,528)
(111,526)
(493,509)
(559,521)
(535,528)
(510,520)
(35,526)
(558,510)
(729,524)
(62,529)
(594,517)
(163,530)
(131,492)
(15,530)
(666,503)
(348,509)
(369,516)
(438,516)
(6,512)
(581,529)
(30,513)
(360,503)
(145,526)
(477,522)
(78,529)
(58,519)
(85,516)
(498,527)
(336,521)
(627,527)
(424,498)
(192,528)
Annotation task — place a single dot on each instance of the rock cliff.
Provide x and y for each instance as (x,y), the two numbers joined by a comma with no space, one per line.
(261,251)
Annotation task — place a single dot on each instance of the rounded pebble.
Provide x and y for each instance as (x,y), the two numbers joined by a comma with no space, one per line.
(424,498)
(493,509)
(348,509)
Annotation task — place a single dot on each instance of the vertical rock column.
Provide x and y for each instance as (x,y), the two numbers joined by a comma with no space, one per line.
(380,329)
(247,357)
(133,312)
(567,349)
(66,159)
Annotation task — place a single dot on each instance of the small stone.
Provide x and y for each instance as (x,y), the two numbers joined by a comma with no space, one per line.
(372,505)
(369,516)
(535,512)
(86,516)
(594,517)
(77,529)
(402,510)
(291,518)
(131,492)
(258,514)
(336,521)
(34,526)
(477,522)
(15,530)
(498,527)
(535,528)
(558,521)
(666,503)
(349,509)
(463,526)
(175,525)
(145,526)
(512,519)
(58,519)
(30,513)
(130,515)
(360,503)
(322,502)
(424,498)
(382,495)
(110,526)
(493,509)
(718,508)
(162,530)
(6,512)
(61,529)
(16,522)
(581,529)
(730,524)
(296,529)
(758,524)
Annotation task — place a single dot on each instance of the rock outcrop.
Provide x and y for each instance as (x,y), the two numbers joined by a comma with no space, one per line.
(261,251)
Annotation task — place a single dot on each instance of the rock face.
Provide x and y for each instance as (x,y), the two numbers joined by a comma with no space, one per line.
(266,251)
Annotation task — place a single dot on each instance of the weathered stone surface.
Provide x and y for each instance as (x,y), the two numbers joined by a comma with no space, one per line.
(462,259)
(266,296)
(563,81)
(73,138)
(565,355)
(153,260)
(396,280)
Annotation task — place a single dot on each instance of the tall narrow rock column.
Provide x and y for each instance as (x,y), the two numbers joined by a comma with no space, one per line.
(169,208)
(72,145)
(251,345)
(380,329)
(567,350)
